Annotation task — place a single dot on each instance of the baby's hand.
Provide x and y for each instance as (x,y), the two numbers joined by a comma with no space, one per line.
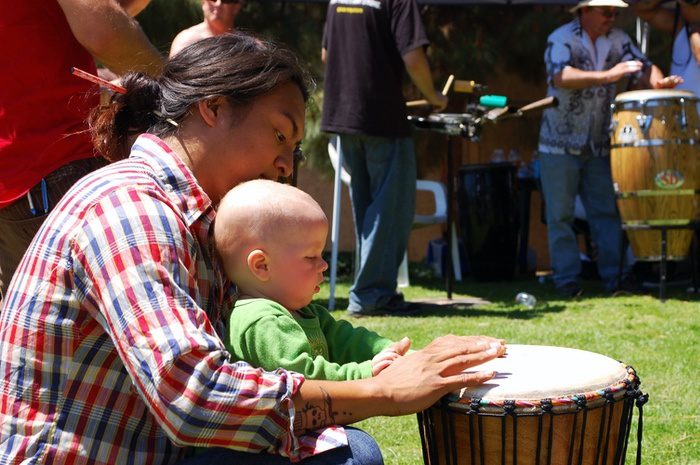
(387,356)
(383,359)
(400,347)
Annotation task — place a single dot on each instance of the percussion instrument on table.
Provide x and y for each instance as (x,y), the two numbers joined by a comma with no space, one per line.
(546,405)
(656,168)
(489,219)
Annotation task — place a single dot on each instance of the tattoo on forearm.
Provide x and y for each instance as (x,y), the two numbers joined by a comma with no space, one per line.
(314,416)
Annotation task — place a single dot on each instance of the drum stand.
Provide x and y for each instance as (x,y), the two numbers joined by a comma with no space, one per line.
(692,225)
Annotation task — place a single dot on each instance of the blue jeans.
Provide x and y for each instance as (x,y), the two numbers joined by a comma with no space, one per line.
(362,450)
(383,194)
(563,177)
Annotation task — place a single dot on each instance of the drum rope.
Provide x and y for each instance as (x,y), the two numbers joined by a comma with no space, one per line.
(475,406)
(640,401)
(547,410)
(572,441)
(581,402)
(626,420)
(609,400)
(481,439)
(472,419)
(446,433)
(509,409)
(601,428)
(424,427)
(538,447)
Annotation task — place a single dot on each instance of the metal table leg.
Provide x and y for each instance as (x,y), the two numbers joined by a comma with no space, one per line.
(450,202)
(662,271)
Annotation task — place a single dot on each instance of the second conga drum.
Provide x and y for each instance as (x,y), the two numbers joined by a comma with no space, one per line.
(488,219)
(546,405)
(656,168)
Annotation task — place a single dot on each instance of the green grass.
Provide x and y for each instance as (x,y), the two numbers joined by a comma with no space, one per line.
(661,340)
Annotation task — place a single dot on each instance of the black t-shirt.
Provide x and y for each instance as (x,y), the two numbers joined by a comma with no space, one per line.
(365,40)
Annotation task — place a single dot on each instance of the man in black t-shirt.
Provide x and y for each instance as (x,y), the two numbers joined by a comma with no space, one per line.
(368,45)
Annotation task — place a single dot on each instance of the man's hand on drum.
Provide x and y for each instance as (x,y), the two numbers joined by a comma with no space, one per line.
(418,379)
(669,82)
(624,68)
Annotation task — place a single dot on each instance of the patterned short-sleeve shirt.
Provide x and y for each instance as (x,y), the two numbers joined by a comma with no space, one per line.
(581,121)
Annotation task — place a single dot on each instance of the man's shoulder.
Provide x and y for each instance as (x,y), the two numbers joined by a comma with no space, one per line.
(568,30)
(190,35)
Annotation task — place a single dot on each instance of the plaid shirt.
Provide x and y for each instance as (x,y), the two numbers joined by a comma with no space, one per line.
(108,335)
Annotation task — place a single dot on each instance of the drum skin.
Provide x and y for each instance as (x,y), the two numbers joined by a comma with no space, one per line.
(655,137)
(584,419)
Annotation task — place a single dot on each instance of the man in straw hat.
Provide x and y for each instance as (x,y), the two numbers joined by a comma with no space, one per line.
(585,60)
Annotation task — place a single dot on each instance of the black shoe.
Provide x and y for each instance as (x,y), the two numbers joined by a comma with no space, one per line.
(570,290)
(395,306)
(629,286)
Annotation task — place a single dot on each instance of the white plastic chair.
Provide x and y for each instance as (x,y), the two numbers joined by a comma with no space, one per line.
(335,153)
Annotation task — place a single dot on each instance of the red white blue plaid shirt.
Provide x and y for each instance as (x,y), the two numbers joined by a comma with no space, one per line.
(108,335)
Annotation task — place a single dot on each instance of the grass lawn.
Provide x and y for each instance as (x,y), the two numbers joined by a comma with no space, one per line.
(660,340)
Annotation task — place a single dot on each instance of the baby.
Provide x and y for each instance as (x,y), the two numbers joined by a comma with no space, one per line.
(270,237)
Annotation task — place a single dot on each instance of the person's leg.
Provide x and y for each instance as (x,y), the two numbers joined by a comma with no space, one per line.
(560,178)
(362,449)
(383,193)
(598,196)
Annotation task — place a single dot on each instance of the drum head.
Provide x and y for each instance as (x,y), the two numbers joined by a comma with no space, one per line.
(654,94)
(532,373)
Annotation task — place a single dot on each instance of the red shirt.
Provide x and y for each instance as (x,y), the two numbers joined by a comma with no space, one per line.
(43,107)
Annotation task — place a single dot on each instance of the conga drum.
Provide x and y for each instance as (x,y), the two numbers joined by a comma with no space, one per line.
(546,405)
(488,219)
(656,168)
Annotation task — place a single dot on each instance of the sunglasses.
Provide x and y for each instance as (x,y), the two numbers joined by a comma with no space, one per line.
(608,12)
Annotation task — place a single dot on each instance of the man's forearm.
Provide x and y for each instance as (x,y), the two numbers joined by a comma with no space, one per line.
(574,78)
(418,69)
(105,29)
(323,403)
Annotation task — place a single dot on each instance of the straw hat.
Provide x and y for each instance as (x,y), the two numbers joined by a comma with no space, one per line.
(614,3)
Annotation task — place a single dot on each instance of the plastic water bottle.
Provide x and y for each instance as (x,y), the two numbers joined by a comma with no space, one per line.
(525,299)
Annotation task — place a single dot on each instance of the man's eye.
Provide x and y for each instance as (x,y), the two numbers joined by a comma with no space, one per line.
(280,137)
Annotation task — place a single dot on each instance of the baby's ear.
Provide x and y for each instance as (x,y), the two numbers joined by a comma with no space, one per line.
(258,265)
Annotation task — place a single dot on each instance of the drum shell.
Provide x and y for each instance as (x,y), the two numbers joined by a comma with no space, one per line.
(488,219)
(546,405)
(540,438)
(656,169)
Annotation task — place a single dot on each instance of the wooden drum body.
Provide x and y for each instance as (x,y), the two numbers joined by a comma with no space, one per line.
(547,405)
(656,168)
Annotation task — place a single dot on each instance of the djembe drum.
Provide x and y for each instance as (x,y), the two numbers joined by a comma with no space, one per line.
(547,405)
(656,168)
